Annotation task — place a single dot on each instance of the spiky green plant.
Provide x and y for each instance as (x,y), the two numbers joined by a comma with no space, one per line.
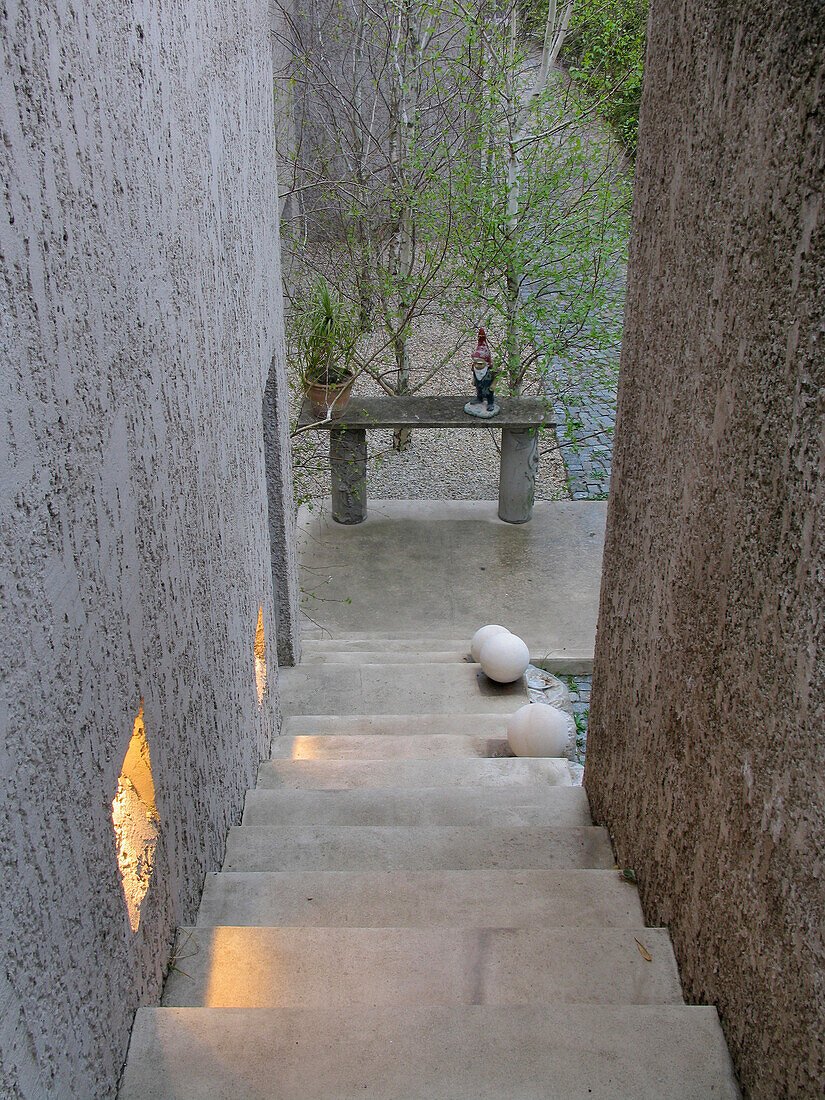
(324,332)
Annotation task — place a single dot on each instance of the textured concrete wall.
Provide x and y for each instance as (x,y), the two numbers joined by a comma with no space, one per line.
(140,312)
(706,745)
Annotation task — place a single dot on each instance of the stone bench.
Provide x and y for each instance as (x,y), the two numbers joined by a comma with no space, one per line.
(519,420)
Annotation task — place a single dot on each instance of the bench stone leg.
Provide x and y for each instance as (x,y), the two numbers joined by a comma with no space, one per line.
(348,465)
(517,479)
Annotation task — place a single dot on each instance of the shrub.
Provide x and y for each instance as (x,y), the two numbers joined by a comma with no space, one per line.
(605,51)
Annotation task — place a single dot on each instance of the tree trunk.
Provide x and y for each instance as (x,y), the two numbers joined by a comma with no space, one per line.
(405,101)
(517,124)
(512,341)
(363,277)
(364,280)
(401,436)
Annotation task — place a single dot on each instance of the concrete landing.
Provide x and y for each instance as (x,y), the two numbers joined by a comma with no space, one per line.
(441,569)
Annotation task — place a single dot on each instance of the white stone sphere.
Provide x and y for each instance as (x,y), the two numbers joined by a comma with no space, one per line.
(504,657)
(538,730)
(481,636)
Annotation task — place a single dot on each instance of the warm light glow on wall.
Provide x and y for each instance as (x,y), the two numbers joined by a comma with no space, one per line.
(135,818)
(260,657)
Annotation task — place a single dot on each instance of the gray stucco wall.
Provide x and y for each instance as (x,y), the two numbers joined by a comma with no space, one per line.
(706,743)
(140,314)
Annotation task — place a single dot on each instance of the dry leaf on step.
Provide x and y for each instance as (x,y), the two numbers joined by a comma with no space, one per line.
(643,951)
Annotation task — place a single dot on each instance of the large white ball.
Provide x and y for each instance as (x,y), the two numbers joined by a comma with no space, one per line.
(481,636)
(538,730)
(504,657)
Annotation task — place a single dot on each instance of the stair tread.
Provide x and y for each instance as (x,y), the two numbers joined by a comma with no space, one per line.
(394,856)
(392,725)
(429,847)
(328,688)
(571,662)
(379,656)
(406,746)
(536,804)
(435,634)
(445,772)
(354,642)
(265,967)
(500,898)
(661,1052)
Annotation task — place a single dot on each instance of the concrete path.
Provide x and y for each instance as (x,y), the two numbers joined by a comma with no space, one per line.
(442,569)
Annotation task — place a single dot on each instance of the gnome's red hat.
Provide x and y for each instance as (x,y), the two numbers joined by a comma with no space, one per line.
(483,349)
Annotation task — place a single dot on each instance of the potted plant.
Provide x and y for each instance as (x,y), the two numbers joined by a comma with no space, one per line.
(325,333)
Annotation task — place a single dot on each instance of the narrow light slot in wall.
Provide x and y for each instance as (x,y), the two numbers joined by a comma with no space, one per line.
(260,657)
(135,819)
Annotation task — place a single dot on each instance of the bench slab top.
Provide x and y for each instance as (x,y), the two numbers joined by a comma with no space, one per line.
(430,412)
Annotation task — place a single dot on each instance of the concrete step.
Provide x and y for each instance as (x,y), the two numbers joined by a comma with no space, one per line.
(395,689)
(490,726)
(409,746)
(486,898)
(471,806)
(318,638)
(386,656)
(393,848)
(411,651)
(448,772)
(420,649)
(582,1052)
(325,967)
(365,642)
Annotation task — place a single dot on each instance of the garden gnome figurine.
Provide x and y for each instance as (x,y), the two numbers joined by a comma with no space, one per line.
(484,402)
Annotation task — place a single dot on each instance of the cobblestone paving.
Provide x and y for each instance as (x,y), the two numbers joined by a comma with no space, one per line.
(584,404)
(584,428)
(579,687)
(583,392)
(585,421)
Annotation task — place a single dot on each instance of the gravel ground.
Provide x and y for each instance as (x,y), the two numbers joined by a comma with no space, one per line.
(454,464)
(438,463)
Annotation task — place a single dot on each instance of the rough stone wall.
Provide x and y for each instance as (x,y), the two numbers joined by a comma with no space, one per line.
(706,745)
(140,312)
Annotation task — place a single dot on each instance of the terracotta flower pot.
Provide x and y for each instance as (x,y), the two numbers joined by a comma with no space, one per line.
(329,400)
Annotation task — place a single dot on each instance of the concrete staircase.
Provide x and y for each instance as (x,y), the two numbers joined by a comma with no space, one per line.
(407,912)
